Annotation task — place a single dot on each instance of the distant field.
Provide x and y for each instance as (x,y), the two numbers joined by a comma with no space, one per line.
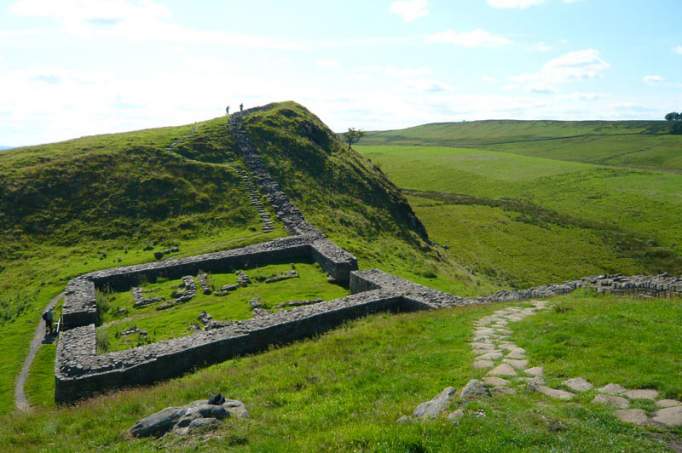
(528,220)
(637,144)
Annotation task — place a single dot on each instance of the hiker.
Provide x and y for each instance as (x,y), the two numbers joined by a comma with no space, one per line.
(48,317)
(241,107)
(227,110)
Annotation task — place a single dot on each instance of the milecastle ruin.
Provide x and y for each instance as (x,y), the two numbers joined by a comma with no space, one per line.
(81,372)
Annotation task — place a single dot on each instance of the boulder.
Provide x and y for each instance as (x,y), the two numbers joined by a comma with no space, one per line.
(159,423)
(435,406)
(474,389)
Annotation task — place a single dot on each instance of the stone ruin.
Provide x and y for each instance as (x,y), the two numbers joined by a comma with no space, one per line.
(80,372)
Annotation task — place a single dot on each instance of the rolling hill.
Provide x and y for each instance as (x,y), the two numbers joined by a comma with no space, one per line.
(485,219)
(527,202)
(636,144)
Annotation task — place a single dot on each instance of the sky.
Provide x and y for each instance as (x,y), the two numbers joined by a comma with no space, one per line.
(70,68)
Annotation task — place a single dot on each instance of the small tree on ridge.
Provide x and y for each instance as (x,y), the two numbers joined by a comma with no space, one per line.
(353,136)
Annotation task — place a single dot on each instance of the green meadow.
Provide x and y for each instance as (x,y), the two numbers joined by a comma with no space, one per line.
(528,220)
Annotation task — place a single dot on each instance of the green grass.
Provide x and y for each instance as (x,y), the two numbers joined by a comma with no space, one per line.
(178,321)
(344,391)
(40,382)
(526,220)
(608,339)
(636,144)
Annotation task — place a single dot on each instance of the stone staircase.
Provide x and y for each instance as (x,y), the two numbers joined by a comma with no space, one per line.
(255,199)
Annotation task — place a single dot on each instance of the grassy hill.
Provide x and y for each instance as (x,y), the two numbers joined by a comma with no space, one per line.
(525,203)
(637,144)
(508,219)
(110,200)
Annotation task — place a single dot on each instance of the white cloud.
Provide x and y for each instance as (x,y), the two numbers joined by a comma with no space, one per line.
(652,79)
(474,38)
(571,67)
(514,4)
(328,63)
(541,47)
(410,10)
(678,50)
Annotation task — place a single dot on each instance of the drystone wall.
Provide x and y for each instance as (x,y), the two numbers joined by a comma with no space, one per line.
(81,372)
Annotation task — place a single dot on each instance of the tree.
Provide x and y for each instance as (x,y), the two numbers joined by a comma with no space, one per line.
(673,116)
(353,136)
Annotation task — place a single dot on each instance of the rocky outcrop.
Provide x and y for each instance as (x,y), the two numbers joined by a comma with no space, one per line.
(197,416)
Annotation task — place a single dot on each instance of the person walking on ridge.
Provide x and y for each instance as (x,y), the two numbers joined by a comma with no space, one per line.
(227,110)
(241,107)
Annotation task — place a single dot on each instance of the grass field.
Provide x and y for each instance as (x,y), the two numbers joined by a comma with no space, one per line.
(634,144)
(344,390)
(528,220)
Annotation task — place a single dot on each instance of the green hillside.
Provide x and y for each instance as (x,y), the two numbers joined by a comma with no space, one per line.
(638,144)
(529,220)
(111,200)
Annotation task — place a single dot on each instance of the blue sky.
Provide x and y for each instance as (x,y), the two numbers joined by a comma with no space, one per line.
(78,67)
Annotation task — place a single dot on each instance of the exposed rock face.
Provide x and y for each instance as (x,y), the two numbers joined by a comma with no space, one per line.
(184,420)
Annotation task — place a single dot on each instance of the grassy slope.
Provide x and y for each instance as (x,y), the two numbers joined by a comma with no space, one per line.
(345,390)
(105,201)
(504,215)
(350,199)
(636,144)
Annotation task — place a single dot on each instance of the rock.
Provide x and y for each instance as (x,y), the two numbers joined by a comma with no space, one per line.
(184,420)
(668,403)
(516,354)
(236,408)
(634,416)
(432,408)
(554,393)
(198,424)
(612,400)
(480,364)
(518,364)
(612,389)
(492,355)
(503,369)
(474,389)
(643,394)
(494,381)
(578,384)
(670,416)
(455,416)
(535,371)
(159,423)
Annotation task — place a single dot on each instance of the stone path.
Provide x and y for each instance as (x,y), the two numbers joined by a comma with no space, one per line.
(508,370)
(254,197)
(508,367)
(19,395)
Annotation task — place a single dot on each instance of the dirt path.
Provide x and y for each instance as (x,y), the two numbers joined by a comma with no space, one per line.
(38,336)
